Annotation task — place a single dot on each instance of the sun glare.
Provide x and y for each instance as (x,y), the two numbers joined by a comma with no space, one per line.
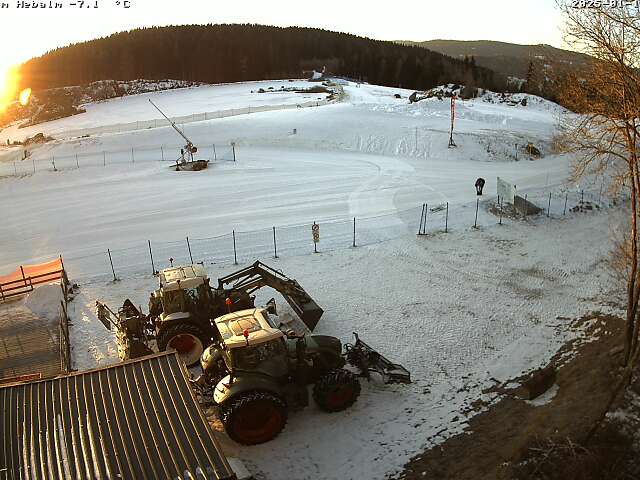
(25,95)
(9,79)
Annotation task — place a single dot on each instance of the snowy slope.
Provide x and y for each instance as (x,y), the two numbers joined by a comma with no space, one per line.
(175,103)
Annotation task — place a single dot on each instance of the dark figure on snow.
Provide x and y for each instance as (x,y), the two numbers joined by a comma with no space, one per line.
(479,185)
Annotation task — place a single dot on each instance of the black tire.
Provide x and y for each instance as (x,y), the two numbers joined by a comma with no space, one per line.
(254,417)
(336,391)
(187,339)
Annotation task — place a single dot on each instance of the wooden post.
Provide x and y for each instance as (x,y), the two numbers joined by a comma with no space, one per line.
(233,148)
(33,161)
(526,205)
(446,220)
(53,161)
(275,245)
(354,231)
(215,156)
(77,162)
(112,269)
(315,244)
(133,158)
(162,152)
(475,224)
(235,252)
(582,197)
(500,200)
(421,220)
(566,198)
(153,267)
(189,248)
(24,279)
(549,206)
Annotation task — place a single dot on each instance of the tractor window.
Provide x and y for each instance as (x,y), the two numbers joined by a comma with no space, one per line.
(172,301)
(249,358)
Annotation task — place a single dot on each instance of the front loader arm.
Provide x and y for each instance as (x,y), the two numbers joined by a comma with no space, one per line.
(259,275)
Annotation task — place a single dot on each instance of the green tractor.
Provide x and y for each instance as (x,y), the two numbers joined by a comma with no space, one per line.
(256,370)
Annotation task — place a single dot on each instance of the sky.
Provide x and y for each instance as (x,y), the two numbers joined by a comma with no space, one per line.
(30,32)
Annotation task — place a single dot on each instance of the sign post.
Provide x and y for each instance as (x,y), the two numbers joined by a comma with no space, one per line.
(315,230)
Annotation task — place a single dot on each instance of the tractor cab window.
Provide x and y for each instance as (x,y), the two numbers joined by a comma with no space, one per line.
(264,356)
(173,301)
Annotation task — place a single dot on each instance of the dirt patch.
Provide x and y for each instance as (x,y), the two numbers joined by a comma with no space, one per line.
(509,440)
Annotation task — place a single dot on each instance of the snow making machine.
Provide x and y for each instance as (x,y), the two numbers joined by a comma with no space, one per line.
(186,161)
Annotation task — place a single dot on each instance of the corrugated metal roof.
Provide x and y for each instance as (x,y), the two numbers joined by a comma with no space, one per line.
(135,420)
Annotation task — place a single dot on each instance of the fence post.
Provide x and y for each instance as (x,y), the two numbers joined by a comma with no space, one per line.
(421,219)
(215,156)
(549,206)
(500,200)
(233,148)
(34,164)
(104,159)
(153,267)
(275,245)
(189,248)
(446,220)
(354,231)
(162,152)
(235,252)
(53,161)
(582,197)
(475,224)
(24,279)
(112,269)
(566,197)
(600,194)
(133,158)
(77,163)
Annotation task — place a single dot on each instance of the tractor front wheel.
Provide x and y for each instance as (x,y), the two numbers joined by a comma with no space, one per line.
(187,339)
(254,417)
(336,391)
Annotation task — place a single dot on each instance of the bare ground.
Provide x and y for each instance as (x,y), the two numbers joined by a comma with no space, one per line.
(516,440)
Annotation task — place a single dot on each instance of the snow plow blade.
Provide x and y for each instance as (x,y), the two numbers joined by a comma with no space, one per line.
(367,360)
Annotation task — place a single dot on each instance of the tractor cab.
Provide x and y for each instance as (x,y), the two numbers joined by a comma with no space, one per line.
(183,290)
(251,344)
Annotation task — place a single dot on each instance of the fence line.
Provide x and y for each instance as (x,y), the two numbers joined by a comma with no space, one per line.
(184,119)
(144,154)
(244,246)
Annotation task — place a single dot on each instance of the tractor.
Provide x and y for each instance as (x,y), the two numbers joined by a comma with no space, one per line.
(256,370)
(181,310)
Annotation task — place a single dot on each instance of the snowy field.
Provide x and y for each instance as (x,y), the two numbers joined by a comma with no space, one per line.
(456,309)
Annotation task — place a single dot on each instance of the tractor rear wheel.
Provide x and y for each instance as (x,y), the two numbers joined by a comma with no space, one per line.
(187,339)
(254,417)
(336,391)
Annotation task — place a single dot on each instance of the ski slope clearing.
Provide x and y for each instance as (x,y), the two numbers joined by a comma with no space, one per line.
(456,309)
(176,103)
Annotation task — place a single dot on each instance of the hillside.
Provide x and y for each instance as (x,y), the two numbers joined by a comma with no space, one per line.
(508,59)
(232,53)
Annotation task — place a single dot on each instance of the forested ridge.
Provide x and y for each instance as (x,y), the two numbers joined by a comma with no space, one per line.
(232,53)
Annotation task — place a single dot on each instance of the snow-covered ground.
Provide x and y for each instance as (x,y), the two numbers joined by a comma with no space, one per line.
(456,309)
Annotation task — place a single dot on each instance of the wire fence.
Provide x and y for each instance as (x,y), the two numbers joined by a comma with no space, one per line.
(237,247)
(168,154)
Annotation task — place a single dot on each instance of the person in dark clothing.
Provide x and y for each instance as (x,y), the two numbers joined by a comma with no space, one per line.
(479,185)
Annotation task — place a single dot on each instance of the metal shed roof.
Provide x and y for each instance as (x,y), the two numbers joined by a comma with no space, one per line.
(135,420)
